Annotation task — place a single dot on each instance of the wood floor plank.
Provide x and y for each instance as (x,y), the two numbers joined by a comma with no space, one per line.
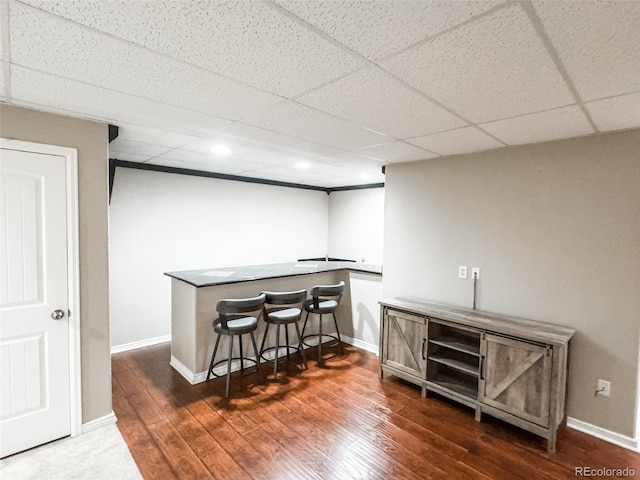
(183,461)
(337,420)
(147,455)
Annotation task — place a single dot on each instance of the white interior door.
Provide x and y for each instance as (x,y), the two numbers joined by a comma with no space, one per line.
(34,292)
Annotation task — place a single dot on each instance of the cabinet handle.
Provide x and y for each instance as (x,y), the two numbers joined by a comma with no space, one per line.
(481,367)
(424,342)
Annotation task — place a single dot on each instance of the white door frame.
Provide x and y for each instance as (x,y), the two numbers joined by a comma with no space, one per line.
(73,267)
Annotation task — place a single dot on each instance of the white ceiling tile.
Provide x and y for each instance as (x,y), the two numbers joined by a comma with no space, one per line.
(374,99)
(493,68)
(291,173)
(138,148)
(616,113)
(300,121)
(357,177)
(462,140)
(33,88)
(243,40)
(539,127)
(199,158)
(188,156)
(165,162)
(244,149)
(397,152)
(279,140)
(375,29)
(152,135)
(231,161)
(85,55)
(598,43)
(356,162)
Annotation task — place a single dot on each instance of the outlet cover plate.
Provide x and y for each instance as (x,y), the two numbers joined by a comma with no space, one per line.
(604,388)
(462,271)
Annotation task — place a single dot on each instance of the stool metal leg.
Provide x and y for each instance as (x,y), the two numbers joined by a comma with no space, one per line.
(226,395)
(300,346)
(213,356)
(338,333)
(276,352)
(255,350)
(320,342)
(264,337)
(286,336)
(241,354)
(304,326)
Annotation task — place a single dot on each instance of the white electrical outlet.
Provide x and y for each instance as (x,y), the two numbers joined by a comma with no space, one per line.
(475,272)
(603,388)
(462,271)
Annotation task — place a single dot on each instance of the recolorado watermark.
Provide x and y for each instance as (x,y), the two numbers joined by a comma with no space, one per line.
(593,472)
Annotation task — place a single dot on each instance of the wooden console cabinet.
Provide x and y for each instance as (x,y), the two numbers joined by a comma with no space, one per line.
(511,368)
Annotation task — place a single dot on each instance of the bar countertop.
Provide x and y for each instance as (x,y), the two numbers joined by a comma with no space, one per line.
(221,276)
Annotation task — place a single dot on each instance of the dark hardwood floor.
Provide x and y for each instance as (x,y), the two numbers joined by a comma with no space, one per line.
(339,421)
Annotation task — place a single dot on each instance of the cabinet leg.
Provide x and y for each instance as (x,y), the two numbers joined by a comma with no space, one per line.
(551,442)
(425,393)
(478,414)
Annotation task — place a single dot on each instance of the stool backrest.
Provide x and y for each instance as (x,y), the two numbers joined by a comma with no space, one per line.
(320,293)
(231,308)
(285,298)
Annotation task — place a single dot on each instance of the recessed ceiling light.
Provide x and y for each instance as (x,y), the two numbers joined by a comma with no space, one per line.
(220,149)
(302,164)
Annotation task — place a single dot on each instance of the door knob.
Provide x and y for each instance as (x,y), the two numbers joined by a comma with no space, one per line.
(57,314)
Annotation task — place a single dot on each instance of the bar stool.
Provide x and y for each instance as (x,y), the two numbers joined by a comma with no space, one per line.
(324,299)
(233,320)
(283,308)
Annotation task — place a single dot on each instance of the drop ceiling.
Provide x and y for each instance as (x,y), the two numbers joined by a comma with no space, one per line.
(324,93)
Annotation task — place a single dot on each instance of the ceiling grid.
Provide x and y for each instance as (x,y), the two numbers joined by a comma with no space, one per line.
(324,93)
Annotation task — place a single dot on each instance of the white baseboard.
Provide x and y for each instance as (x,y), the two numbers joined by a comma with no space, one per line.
(179,367)
(200,377)
(140,344)
(603,434)
(99,422)
(369,347)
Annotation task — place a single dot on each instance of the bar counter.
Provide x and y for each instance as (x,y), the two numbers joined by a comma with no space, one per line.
(195,293)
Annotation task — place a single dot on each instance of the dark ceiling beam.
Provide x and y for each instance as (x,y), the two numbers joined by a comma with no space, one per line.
(113,132)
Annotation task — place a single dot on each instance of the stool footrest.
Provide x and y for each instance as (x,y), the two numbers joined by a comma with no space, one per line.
(315,335)
(226,360)
(289,350)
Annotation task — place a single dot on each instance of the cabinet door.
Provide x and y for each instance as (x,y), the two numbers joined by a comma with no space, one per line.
(405,342)
(516,377)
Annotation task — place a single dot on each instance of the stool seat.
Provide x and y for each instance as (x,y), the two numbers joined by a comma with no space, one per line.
(284,316)
(237,326)
(328,306)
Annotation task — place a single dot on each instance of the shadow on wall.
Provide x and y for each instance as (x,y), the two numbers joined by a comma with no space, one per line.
(366,326)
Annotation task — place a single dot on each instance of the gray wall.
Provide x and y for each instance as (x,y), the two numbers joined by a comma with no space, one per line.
(555,229)
(91,140)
